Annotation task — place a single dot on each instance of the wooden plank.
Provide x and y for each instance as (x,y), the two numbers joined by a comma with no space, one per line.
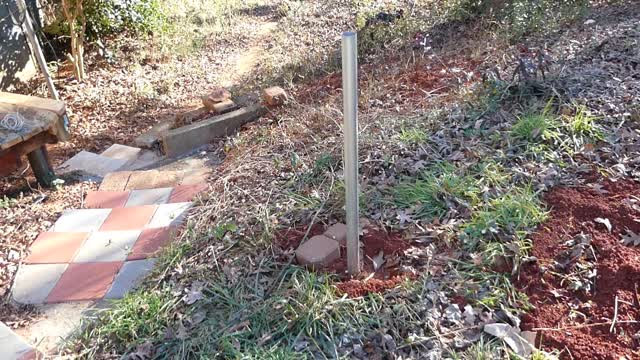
(184,139)
(56,106)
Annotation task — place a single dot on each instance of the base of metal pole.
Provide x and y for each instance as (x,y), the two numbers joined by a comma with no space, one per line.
(39,161)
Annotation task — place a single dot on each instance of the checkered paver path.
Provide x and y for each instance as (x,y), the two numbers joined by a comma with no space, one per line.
(105,249)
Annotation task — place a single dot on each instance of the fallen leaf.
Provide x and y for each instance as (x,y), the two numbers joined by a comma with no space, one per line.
(630,238)
(512,337)
(378,260)
(604,222)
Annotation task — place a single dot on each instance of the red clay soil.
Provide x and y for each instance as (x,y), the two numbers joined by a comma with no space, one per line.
(573,211)
(368,281)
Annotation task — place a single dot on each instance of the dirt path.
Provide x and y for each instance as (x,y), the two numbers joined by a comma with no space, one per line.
(246,61)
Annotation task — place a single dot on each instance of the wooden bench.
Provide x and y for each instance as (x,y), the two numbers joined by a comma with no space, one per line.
(44,122)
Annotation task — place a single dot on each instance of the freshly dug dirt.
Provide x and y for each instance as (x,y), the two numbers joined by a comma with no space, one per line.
(368,281)
(557,304)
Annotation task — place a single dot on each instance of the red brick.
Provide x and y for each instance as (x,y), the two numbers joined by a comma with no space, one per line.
(149,242)
(337,232)
(319,250)
(218,95)
(186,193)
(131,218)
(87,281)
(55,247)
(105,199)
(274,96)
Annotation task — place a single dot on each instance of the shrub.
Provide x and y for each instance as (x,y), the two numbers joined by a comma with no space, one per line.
(112,16)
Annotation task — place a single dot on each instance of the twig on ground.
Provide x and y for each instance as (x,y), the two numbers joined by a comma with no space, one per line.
(615,315)
(586,325)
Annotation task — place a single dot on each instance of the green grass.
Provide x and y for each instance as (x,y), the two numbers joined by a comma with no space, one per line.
(514,212)
(436,191)
(535,128)
(413,136)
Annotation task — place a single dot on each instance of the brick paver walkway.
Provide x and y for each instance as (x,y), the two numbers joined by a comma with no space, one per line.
(105,249)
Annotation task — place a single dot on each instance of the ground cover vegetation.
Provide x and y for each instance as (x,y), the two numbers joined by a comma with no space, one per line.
(472,113)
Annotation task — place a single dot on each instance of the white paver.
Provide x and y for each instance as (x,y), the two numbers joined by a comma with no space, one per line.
(130,276)
(149,197)
(169,214)
(33,283)
(12,346)
(105,246)
(83,220)
(92,164)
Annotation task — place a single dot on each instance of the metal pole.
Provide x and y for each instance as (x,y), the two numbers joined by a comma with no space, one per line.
(37,51)
(350,99)
(39,158)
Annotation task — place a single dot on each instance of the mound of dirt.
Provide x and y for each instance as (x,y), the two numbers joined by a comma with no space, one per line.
(375,243)
(583,270)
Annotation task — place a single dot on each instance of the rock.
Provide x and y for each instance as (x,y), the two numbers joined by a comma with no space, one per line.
(218,95)
(337,232)
(188,117)
(274,96)
(317,251)
(224,107)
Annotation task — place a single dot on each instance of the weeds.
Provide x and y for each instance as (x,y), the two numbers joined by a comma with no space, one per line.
(534,128)
(437,191)
(513,213)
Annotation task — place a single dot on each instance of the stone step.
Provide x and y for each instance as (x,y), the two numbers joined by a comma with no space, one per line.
(92,164)
(122,152)
(150,179)
(13,347)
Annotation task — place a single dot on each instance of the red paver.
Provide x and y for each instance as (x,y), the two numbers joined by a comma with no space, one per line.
(105,199)
(132,218)
(186,193)
(149,242)
(55,247)
(88,281)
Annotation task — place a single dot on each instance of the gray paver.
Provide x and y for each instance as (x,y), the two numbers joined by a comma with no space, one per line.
(33,283)
(83,220)
(123,152)
(130,275)
(319,250)
(92,164)
(169,214)
(104,246)
(149,197)
(12,346)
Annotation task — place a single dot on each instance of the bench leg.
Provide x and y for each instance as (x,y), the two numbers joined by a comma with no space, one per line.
(39,161)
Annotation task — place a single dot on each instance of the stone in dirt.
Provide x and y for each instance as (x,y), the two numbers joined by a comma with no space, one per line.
(318,251)
(218,94)
(224,107)
(274,96)
(337,232)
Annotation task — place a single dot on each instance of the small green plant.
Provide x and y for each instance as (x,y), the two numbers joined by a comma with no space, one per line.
(437,191)
(583,126)
(57,184)
(7,202)
(535,128)
(513,213)
(413,136)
